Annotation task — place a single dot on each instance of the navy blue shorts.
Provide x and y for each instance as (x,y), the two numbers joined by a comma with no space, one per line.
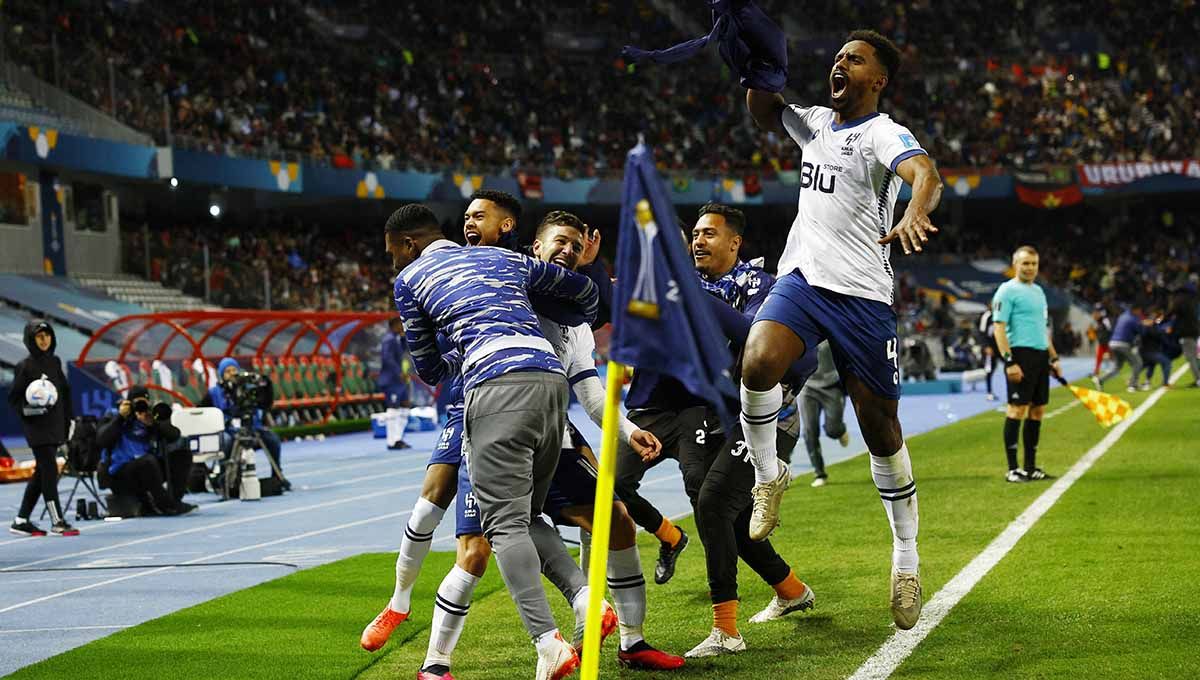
(467,521)
(574,483)
(861,332)
(449,447)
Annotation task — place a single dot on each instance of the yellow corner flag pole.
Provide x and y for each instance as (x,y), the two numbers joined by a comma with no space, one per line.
(602,521)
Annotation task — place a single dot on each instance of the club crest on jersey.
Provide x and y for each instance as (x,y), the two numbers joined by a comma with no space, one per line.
(851,142)
(811,177)
(908,141)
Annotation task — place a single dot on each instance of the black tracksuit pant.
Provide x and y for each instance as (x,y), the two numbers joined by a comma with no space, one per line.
(678,432)
(723,507)
(144,475)
(44,483)
(717,479)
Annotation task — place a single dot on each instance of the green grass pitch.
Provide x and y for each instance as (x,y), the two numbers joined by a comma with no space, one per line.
(1101,587)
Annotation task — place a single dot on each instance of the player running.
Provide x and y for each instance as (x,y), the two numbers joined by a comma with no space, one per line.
(836,284)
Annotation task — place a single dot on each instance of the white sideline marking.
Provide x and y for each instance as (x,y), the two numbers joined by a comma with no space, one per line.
(59,630)
(892,653)
(1062,409)
(198,560)
(331,485)
(218,525)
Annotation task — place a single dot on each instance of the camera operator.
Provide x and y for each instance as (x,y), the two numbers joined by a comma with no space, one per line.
(224,396)
(134,443)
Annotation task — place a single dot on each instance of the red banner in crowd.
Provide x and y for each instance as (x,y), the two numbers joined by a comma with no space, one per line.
(1049,198)
(1116,174)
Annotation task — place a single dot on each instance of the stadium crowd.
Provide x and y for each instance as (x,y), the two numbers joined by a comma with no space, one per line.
(247,80)
(306,267)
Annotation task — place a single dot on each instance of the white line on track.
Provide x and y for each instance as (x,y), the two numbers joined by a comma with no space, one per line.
(59,630)
(198,560)
(331,485)
(218,525)
(892,653)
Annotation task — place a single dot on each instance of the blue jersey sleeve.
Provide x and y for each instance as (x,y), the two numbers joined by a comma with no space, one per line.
(604,287)
(758,291)
(552,280)
(432,365)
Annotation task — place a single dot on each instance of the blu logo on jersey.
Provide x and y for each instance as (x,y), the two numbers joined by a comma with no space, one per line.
(811,177)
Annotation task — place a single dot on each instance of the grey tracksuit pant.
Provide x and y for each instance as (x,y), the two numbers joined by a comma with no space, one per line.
(512,436)
(813,400)
(1123,353)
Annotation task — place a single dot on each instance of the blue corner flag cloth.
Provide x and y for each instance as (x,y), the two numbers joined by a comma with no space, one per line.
(661,318)
(753,46)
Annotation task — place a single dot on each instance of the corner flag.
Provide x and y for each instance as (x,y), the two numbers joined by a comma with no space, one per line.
(660,323)
(660,318)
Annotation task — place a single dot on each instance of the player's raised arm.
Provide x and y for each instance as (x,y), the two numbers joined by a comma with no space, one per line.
(766,108)
(914,228)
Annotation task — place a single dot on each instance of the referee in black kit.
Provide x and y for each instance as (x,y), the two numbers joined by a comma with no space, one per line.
(1021,319)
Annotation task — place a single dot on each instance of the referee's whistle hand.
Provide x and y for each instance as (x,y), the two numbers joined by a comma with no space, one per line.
(1014,373)
(911,232)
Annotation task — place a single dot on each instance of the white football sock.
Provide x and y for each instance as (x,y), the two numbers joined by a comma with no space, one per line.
(585,551)
(894,478)
(418,535)
(396,422)
(760,410)
(628,588)
(449,615)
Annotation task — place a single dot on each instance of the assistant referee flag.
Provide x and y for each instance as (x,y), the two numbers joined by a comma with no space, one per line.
(660,318)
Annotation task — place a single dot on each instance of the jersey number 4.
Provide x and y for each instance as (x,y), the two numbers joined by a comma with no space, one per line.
(894,357)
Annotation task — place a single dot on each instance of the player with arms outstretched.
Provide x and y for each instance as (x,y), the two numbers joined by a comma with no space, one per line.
(835,283)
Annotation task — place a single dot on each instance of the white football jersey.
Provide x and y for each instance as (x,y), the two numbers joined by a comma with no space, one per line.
(848,190)
(573,345)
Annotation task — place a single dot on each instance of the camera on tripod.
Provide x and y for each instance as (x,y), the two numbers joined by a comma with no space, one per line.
(249,392)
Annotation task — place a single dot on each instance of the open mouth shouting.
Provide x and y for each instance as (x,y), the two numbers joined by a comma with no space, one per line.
(700,254)
(839,82)
(473,236)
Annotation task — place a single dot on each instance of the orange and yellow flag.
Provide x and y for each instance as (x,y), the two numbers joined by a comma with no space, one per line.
(1109,410)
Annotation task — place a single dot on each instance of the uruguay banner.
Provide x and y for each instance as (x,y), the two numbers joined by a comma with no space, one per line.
(660,317)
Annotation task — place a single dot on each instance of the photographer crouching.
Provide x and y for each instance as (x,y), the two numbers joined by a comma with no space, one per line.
(134,443)
(244,397)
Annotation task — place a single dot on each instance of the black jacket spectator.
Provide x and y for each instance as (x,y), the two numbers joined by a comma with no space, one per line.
(45,427)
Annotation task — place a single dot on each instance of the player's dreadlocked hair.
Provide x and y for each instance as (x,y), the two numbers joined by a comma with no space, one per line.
(561,218)
(414,218)
(505,200)
(885,49)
